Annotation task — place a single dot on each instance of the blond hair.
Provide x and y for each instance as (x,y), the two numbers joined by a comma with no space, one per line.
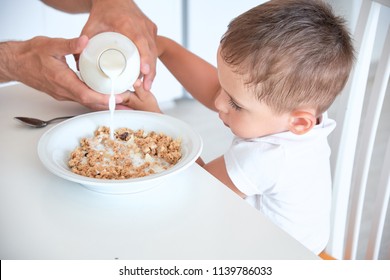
(292,53)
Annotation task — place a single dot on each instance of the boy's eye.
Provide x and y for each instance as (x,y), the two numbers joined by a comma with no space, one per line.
(234,105)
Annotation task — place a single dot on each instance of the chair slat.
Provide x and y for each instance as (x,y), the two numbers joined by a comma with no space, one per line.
(348,119)
(383,194)
(365,148)
(379,213)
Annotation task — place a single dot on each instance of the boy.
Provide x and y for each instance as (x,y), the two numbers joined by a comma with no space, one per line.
(280,67)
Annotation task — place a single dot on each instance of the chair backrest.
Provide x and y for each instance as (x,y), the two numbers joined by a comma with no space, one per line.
(358,114)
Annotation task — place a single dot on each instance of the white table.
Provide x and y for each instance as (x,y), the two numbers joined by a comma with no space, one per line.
(189,216)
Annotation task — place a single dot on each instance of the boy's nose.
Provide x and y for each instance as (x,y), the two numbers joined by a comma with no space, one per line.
(219,103)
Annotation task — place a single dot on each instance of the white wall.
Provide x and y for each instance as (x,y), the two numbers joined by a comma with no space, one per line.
(208,21)
(23,19)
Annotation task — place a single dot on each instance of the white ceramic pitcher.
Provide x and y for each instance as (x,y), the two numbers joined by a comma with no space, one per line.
(110,61)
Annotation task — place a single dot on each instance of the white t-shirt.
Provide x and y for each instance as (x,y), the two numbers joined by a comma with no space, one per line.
(287,177)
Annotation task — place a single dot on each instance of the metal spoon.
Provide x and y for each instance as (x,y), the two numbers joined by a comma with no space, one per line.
(37,123)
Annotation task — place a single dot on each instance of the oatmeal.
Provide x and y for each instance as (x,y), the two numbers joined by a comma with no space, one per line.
(132,154)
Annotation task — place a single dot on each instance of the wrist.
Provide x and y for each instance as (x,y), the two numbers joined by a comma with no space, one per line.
(70,6)
(109,2)
(160,41)
(102,7)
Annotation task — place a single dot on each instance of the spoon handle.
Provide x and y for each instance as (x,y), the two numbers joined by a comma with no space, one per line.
(60,118)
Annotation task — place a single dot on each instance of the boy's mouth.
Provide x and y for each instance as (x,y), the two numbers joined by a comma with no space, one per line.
(220,117)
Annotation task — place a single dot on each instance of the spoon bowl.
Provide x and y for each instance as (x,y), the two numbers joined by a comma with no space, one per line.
(37,123)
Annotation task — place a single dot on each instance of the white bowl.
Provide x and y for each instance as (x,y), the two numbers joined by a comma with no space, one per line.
(56,145)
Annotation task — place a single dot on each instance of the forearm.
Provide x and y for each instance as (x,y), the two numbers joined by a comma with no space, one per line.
(82,6)
(6,57)
(196,75)
(70,6)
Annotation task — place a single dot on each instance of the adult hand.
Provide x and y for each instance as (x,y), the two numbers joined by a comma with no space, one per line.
(124,16)
(41,64)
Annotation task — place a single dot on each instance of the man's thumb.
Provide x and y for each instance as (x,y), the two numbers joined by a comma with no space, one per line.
(75,45)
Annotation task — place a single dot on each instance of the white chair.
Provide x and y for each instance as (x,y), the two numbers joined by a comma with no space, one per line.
(352,142)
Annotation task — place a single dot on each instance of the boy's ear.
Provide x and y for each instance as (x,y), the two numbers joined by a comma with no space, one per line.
(301,122)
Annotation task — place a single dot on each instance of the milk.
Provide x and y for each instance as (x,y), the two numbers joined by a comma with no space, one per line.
(110,64)
(111,107)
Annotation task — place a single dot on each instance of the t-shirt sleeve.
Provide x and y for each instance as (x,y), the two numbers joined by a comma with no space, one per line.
(254,167)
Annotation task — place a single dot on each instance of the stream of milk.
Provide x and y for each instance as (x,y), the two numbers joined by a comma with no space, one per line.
(111,106)
(112,62)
